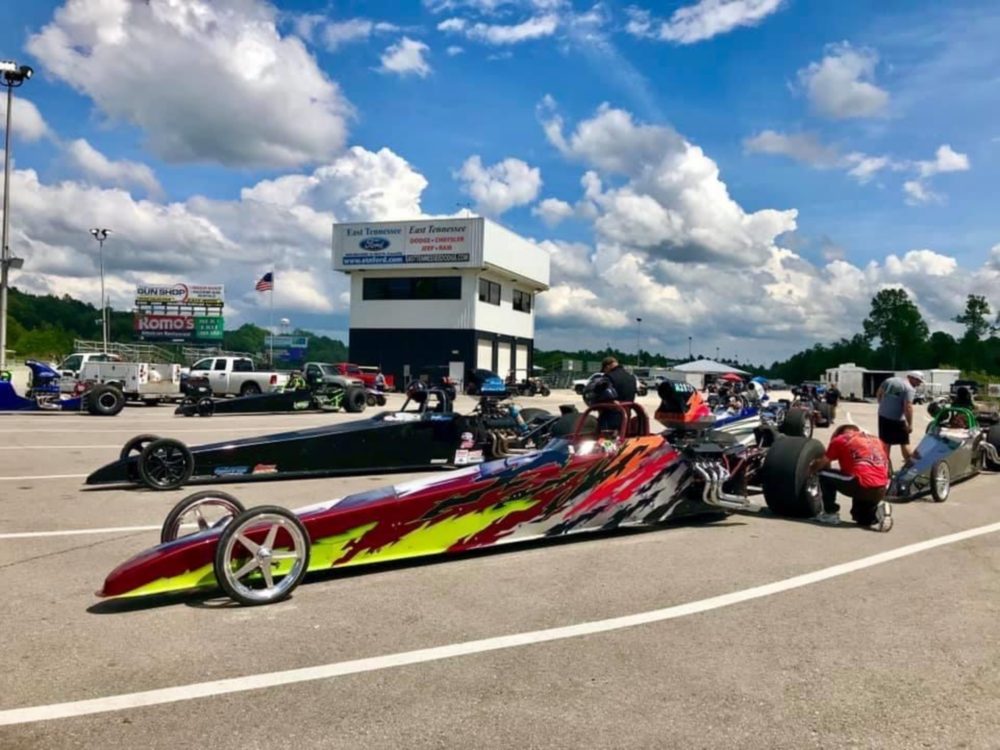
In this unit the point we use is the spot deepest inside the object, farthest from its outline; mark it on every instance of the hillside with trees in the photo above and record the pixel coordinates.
(45, 326)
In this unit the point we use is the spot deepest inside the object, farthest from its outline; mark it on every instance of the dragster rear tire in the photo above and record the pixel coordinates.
(789, 490)
(993, 438)
(796, 423)
(355, 400)
(105, 400)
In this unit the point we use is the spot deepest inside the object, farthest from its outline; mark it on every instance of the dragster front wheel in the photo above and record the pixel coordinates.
(262, 555)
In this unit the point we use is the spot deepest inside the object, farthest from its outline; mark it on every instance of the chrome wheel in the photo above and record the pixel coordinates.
(940, 482)
(198, 512)
(262, 555)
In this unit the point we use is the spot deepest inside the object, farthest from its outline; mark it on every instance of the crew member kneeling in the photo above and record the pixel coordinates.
(863, 476)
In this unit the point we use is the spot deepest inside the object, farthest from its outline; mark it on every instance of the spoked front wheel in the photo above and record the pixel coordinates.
(196, 513)
(262, 555)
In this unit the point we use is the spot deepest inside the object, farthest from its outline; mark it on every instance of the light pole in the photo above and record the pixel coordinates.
(690, 356)
(100, 235)
(12, 75)
(638, 342)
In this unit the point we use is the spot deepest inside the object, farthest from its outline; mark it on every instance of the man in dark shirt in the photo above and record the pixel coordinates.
(622, 390)
(832, 397)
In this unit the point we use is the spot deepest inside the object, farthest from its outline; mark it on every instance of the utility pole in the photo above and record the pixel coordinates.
(100, 235)
(638, 342)
(11, 76)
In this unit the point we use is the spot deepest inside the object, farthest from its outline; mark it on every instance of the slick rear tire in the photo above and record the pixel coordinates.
(797, 424)
(993, 438)
(825, 412)
(529, 415)
(249, 388)
(105, 400)
(940, 481)
(788, 489)
(565, 426)
(248, 577)
(355, 400)
(228, 505)
(135, 445)
(165, 464)
(206, 407)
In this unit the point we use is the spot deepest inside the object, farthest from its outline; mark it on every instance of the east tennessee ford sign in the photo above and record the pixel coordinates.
(445, 242)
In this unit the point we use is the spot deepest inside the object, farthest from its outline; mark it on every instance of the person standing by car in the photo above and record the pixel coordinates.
(895, 412)
(832, 398)
(623, 381)
(862, 475)
(379, 381)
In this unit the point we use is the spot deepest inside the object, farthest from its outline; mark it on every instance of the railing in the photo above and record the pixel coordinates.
(128, 352)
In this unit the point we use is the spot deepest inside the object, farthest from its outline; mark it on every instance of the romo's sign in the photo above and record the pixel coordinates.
(179, 294)
(179, 327)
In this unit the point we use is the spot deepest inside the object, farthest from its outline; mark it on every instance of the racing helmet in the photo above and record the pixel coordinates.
(681, 405)
(599, 391)
(417, 391)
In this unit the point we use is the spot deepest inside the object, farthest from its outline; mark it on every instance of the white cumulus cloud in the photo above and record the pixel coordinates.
(206, 81)
(841, 85)
(501, 186)
(27, 122)
(102, 170)
(406, 57)
(553, 211)
(702, 20)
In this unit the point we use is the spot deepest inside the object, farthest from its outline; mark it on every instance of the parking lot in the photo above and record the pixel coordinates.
(748, 633)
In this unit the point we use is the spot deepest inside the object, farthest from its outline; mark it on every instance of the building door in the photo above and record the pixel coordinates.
(484, 354)
(522, 362)
(503, 359)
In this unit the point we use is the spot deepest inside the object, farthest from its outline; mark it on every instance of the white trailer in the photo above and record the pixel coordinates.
(139, 381)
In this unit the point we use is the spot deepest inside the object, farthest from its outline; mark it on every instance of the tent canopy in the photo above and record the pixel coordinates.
(708, 367)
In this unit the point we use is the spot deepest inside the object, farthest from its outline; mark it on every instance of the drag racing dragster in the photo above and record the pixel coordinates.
(298, 396)
(43, 394)
(956, 446)
(588, 481)
(425, 434)
(528, 387)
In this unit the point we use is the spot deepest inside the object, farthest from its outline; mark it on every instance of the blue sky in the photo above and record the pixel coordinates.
(761, 167)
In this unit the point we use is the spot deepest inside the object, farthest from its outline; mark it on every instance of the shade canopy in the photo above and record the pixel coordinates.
(708, 367)
(730, 376)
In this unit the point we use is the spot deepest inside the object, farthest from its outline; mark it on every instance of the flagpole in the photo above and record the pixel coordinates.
(271, 324)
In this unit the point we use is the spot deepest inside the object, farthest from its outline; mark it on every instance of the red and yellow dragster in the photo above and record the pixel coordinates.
(588, 482)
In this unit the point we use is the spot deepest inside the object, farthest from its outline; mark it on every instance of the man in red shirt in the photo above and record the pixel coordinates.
(863, 476)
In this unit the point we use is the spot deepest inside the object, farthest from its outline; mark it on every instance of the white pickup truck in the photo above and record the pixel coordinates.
(71, 367)
(236, 376)
(139, 381)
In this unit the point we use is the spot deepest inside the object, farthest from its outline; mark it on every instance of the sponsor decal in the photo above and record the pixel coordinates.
(441, 417)
(475, 457)
(461, 457)
(439, 460)
(466, 440)
(374, 244)
(230, 471)
(265, 469)
(301, 405)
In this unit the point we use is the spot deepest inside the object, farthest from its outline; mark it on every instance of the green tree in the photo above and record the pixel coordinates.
(975, 318)
(898, 325)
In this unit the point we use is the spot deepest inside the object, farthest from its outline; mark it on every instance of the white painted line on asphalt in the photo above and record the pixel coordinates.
(437, 653)
(44, 476)
(74, 532)
(50, 445)
(138, 428)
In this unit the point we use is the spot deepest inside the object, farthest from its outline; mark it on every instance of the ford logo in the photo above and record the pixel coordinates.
(374, 243)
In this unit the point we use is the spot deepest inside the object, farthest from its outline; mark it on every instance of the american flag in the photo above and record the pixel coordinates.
(266, 283)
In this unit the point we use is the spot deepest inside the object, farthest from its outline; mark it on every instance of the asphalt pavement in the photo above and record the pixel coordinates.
(896, 648)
